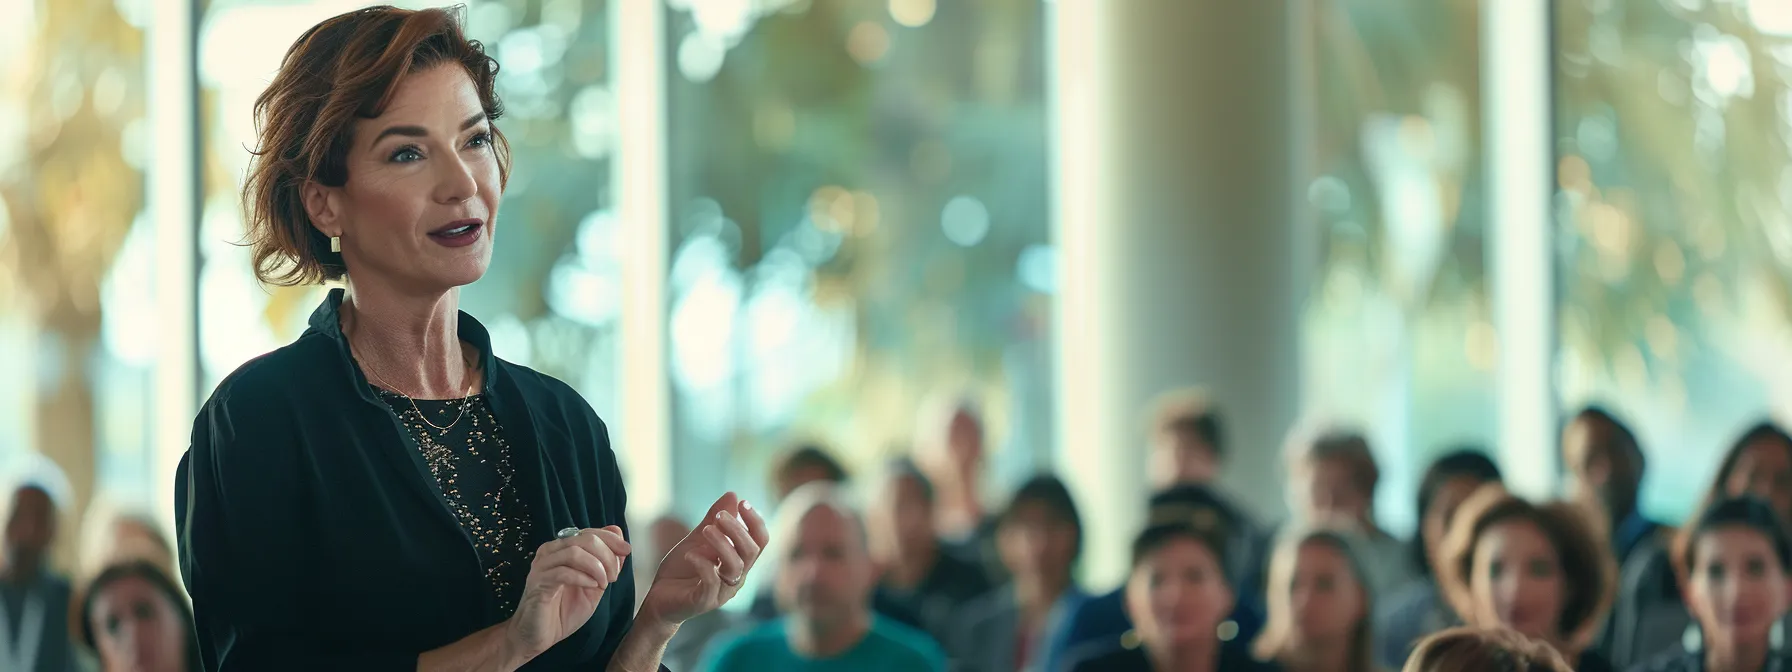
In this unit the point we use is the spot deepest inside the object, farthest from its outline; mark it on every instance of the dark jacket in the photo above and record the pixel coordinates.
(1233, 658)
(313, 537)
(1679, 660)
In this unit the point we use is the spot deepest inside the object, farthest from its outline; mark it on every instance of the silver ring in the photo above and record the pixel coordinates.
(567, 533)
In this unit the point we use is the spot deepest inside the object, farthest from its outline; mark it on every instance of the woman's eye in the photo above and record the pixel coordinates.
(407, 154)
(481, 139)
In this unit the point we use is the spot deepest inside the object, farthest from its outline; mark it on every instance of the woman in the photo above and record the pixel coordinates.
(384, 492)
(134, 618)
(1319, 606)
(1484, 650)
(1736, 560)
(1039, 536)
(1543, 570)
(1417, 610)
(1178, 596)
(1333, 479)
(1651, 616)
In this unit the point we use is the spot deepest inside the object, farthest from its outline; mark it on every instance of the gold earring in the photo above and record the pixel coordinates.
(335, 243)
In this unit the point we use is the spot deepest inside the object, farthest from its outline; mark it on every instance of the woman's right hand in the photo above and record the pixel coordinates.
(566, 581)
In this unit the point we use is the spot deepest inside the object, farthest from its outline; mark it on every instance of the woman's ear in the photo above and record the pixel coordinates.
(323, 207)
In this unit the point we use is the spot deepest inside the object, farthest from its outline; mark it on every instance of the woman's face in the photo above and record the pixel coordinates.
(1764, 469)
(1323, 595)
(1037, 544)
(1444, 503)
(1177, 595)
(416, 213)
(1737, 588)
(1517, 580)
(137, 629)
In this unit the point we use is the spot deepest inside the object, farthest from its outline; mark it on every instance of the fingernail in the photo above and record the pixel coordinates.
(746, 505)
(720, 514)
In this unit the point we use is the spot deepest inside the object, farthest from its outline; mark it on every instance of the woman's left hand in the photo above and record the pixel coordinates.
(706, 569)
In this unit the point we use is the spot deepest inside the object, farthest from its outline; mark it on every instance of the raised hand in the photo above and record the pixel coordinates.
(566, 581)
(705, 570)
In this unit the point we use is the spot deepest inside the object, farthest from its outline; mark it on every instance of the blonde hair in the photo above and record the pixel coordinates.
(1484, 650)
(1280, 629)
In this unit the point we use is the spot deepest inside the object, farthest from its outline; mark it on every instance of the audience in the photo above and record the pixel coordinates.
(1179, 595)
(919, 576)
(34, 601)
(1101, 622)
(1332, 477)
(1651, 616)
(1187, 447)
(135, 618)
(950, 448)
(1484, 650)
(1736, 559)
(1319, 607)
(1040, 536)
(1543, 570)
(1605, 472)
(801, 465)
(824, 584)
(1416, 609)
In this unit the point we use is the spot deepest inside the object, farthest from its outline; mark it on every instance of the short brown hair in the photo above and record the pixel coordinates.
(1347, 447)
(1484, 650)
(343, 69)
(1581, 549)
(1188, 411)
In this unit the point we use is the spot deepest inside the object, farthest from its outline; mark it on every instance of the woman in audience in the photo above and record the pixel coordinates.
(1650, 616)
(135, 619)
(1417, 610)
(1319, 607)
(1178, 596)
(1736, 560)
(1039, 536)
(1543, 570)
(1333, 479)
(1484, 650)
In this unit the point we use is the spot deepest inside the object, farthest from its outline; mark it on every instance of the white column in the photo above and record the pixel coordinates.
(1175, 158)
(172, 200)
(639, 60)
(1516, 79)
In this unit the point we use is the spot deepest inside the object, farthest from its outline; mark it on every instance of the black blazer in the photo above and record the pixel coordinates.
(313, 537)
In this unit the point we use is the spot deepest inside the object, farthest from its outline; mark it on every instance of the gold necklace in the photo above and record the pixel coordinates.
(466, 397)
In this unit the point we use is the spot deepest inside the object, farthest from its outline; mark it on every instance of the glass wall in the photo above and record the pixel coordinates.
(1674, 246)
(1398, 338)
(552, 294)
(76, 281)
(859, 223)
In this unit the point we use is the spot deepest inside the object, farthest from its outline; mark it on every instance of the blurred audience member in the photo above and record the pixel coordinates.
(1186, 440)
(1102, 622)
(1605, 470)
(1737, 558)
(1319, 607)
(1484, 650)
(950, 449)
(1040, 536)
(1543, 570)
(1332, 477)
(136, 620)
(1416, 609)
(1650, 616)
(115, 536)
(804, 464)
(825, 581)
(34, 601)
(917, 573)
(1180, 596)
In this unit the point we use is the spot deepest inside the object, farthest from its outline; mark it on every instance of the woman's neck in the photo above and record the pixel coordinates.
(1191, 657)
(1734, 656)
(409, 344)
(1317, 655)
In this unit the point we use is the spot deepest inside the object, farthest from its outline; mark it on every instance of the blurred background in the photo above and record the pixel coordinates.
(735, 224)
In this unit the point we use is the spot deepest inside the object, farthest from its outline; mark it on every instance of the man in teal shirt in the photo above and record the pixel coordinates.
(824, 583)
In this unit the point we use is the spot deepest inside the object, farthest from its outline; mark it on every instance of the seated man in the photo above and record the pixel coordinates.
(919, 575)
(824, 585)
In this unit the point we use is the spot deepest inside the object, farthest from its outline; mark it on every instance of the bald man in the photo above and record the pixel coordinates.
(824, 586)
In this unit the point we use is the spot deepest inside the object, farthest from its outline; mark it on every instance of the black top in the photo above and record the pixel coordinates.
(1593, 662)
(48, 599)
(1121, 659)
(938, 601)
(470, 460)
(313, 535)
